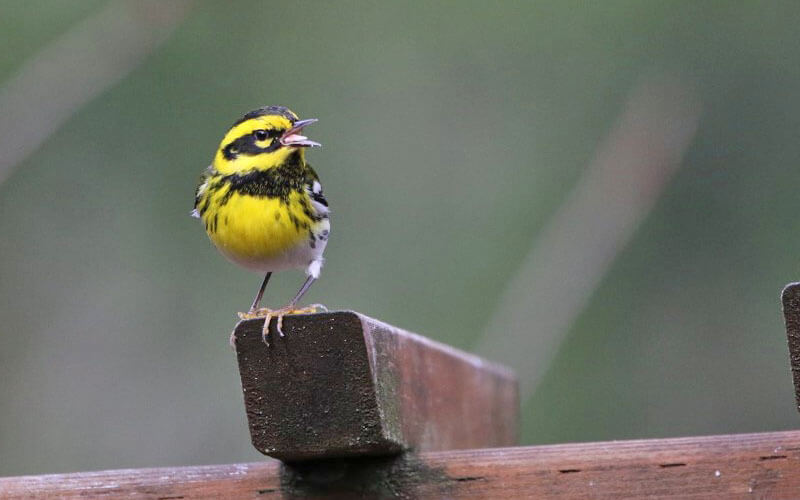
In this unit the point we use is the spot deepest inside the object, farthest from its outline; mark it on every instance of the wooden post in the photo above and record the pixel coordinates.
(341, 384)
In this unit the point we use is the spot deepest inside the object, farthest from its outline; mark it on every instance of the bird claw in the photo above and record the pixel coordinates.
(268, 314)
(255, 313)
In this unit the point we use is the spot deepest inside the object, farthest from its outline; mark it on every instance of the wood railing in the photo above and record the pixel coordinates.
(717, 467)
(356, 408)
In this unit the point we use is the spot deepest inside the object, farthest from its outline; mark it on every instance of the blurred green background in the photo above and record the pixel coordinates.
(453, 133)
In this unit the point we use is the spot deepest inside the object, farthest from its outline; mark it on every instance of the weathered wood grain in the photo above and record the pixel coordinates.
(735, 466)
(343, 384)
(791, 315)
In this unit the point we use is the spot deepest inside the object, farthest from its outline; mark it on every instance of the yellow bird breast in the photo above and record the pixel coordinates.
(260, 233)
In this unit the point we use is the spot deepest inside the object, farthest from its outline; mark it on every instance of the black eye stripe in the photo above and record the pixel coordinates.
(246, 145)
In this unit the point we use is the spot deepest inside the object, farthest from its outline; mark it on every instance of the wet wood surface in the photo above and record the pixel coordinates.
(763, 465)
(343, 384)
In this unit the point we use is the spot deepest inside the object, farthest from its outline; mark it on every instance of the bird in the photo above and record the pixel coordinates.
(263, 207)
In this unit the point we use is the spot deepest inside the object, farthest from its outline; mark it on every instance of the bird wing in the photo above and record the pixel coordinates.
(314, 190)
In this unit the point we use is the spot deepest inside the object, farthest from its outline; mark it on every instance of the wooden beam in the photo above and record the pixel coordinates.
(343, 384)
(736, 466)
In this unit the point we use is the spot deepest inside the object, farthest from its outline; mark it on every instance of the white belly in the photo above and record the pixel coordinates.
(306, 255)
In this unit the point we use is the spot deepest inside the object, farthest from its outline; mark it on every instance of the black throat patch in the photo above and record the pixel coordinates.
(275, 182)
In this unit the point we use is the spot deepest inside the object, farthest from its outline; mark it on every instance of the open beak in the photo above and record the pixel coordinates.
(292, 137)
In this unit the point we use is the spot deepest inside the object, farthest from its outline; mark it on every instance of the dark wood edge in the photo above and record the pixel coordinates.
(790, 298)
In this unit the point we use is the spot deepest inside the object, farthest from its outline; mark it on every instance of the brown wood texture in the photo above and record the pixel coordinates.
(343, 384)
(791, 314)
(736, 466)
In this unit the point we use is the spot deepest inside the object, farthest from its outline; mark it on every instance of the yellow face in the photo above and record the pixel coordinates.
(262, 139)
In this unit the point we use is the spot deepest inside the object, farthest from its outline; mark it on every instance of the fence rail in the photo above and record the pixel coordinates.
(763, 465)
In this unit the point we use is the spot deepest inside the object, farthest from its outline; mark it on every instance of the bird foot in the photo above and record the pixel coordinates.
(268, 314)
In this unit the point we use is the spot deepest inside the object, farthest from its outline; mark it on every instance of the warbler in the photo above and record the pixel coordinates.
(262, 204)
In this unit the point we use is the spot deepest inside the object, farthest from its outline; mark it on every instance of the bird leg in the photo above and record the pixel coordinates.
(260, 292)
(252, 313)
(255, 311)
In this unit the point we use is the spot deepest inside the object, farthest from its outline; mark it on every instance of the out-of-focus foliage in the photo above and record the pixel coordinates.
(452, 132)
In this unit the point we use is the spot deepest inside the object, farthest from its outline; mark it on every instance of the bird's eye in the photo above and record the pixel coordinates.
(261, 135)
